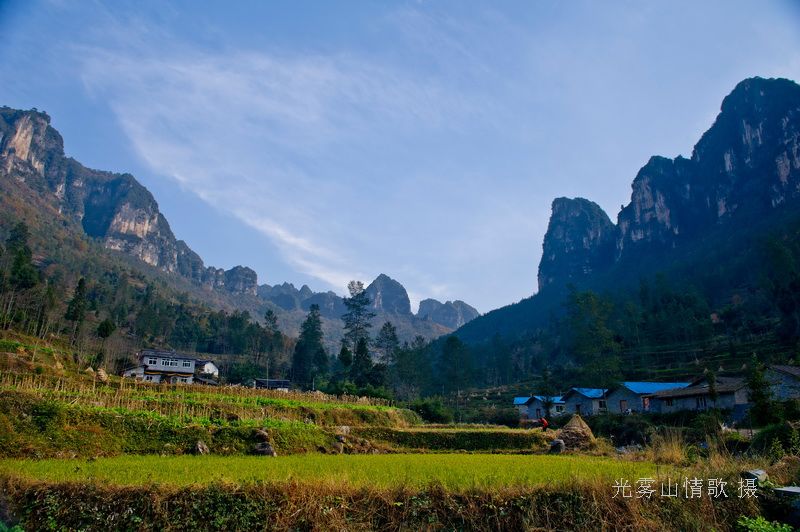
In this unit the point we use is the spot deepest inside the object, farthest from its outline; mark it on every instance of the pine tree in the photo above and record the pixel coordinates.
(345, 355)
(24, 274)
(76, 310)
(106, 328)
(271, 322)
(387, 343)
(310, 359)
(362, 364)
(357, 318)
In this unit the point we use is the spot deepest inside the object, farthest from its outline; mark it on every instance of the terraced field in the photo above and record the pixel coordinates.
(452, 471)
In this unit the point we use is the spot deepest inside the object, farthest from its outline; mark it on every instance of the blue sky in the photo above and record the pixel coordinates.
(319, 142)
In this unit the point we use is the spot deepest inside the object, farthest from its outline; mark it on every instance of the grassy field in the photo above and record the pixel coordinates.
(452, 471)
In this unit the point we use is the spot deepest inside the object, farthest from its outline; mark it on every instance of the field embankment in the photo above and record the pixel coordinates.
(448, 439)
(94, 505)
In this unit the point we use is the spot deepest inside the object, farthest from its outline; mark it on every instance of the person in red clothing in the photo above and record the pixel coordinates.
(543, 423)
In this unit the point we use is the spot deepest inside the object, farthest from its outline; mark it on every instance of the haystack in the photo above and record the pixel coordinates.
(576, 434)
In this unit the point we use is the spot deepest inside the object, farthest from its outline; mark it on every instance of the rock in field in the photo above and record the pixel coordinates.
(264, 449)
(201, 448)
(557, 446)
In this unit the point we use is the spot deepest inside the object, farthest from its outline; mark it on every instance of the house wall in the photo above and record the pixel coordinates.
(727, 400)
(210, 368)
(634, 400)
(162, 363)
(783, 386)
(139, 373)
(588, 406)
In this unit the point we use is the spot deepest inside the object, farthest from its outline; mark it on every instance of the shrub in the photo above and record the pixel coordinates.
(759, 524)
(780, 432)
(432, 410)
(623, 430)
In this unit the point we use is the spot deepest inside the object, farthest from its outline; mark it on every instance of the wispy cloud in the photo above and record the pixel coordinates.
(261, 135)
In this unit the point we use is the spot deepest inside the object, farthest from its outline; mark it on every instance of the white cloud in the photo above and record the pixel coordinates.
(266, 137)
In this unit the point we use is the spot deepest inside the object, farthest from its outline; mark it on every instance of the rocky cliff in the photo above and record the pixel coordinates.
(114, 208)
(743, 167)
(388, 296)
(580, 238)
(450, 314)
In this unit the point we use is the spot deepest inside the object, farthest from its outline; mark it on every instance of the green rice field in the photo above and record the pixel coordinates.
(452, 471)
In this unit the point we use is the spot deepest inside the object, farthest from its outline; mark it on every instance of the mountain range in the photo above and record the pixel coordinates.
(122, 216)
(698, 218)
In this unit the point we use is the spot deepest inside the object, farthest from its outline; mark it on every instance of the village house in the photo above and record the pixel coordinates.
(632, 396)
(731, 395)
(521, 404)
(784, 382)
(585, 401)
(535, 406)
(171, 367)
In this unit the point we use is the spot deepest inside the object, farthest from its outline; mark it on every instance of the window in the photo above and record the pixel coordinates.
(623, 406)
(148, 377)
(601, 404)
(669, 402)
(559, 408)
(170, 363)
(645, 403)
(538, 412)
(578, 409)
(700, 402)
(184, 379)
(152, 361)
(187, 364)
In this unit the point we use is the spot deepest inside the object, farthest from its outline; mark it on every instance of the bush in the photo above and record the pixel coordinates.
(623, 430)
(432, 410)
(508, 417)
(759, 524)
(780, 432)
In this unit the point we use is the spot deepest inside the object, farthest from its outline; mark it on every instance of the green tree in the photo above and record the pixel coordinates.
(591, 339)
(764, 409)
(23, 274)
(345, 355)
(362, 364)
(357, 318)
(412, 370)
(106, 329)
(456, 364)
(310, 359)
(271, 322)
(76, 309)
(547, 389)
(387, 343)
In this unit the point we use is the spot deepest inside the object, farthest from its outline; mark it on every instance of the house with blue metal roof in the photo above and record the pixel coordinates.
(585, 401)
(545, 406)
(521, 404)
(634, 396)
(536, 406)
